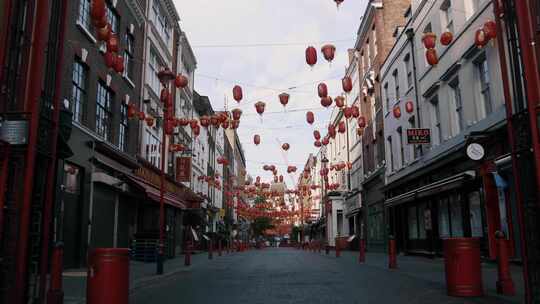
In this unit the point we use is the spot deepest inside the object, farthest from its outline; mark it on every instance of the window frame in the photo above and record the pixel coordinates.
(484, 84)
(408, 70)
(456, 102)
(123, 130)
(104, 114)
(129, 55)
(78, 107)
(436, 114)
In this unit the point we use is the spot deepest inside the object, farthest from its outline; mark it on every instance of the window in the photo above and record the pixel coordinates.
(391, 154)
(413, 223)
(160, 21)
(401, 147)
(456, 109)
(436, 120)
(154, 65)
(408, 70)
(386, 97)
(128, 56)
(84, 15)
(374, 42)
(444, 220)
(112, 18)
(104, 111)
(484, 107)
(396, 84)
(446, 16)
(153, 148)
(368, 54)
(362, 64)
(123, 131)
(78, 93)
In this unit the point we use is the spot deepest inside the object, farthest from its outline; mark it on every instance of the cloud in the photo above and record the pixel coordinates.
(264, 72)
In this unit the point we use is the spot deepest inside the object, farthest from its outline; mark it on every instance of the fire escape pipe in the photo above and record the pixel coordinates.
(31, 99)
(52, 168)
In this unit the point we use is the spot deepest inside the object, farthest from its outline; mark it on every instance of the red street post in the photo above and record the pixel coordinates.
(505, 284)
(362, 251)
(392, 259)
(55, 294)
(338, 252)
(187, 256)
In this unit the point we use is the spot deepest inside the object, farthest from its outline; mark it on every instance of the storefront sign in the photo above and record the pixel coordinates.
(183, 169)
(418, 136)
(15, 132)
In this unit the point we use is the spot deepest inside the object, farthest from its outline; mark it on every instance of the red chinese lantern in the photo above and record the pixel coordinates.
(259, 107)
(490, 28)
(347, 112)
(346, 83)
(193, 123)
(328, 51)
(284, 98)
(97, 9)
(409, 106)
(355, 111)
(180, 81)
(149, 121)
(196, 131)
(285, 146)
(225, 124)
(237, 93)
(214, 121)
(236, 113)
(235, 124)
(256, 139)
(480, 38)
(101, 22)
(326, 140)
(318, 143)
(118, 65)
(322, 89)
(110, 58)
(164, 95)
(431, 57)
(205, 121)
(310, 117)
(429, 39)
(182, 122)
(311, 56)
(141, 115)
(317, 135)
(104, 32)
(338, 2)
(397, 111)
(169, 126)
(332, 131)
(340, 101)
(131, 111)
(341, 127)
(361, 122)
(326, 101)
(112, 44)
(446, 38)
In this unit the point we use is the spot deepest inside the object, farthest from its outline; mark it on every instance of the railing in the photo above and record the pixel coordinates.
(145, 250)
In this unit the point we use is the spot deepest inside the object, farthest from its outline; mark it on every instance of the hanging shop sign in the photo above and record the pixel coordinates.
(183, 169)
(15, 132)
(418, 136)
(475, 151)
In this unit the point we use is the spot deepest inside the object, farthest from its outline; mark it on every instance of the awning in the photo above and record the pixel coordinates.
(153, 193)
(445, 184)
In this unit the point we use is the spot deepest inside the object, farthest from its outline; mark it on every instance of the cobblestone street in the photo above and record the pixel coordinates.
(294, 276)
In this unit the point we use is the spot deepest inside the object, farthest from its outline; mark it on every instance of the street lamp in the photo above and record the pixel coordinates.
(165, 77)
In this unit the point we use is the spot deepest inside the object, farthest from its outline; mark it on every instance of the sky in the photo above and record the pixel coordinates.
(223, 34)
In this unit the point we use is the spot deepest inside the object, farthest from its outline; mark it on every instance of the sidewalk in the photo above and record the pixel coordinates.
(140, 274)
(432, 271)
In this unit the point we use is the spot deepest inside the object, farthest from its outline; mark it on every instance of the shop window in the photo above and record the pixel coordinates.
(422, 221)
(475, 214)
(444, 222)
(413, 223)
(456, 216)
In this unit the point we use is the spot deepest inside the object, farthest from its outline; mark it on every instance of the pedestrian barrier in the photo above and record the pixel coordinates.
(463, 268)
(145, 250)
(108, 276)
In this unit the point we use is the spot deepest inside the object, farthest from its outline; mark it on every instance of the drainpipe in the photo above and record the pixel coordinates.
(410, 37)
(32, 97)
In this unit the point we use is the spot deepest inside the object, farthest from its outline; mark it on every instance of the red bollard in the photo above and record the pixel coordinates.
(463, 267)
(392, 258)
(55, 294)
(210, 249)
(505, 284)
(362, 251)
(187, 256)
(338, 252)
(108, 276)
(219, 248)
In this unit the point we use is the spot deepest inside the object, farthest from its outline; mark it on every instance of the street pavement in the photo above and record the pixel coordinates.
(286, 275)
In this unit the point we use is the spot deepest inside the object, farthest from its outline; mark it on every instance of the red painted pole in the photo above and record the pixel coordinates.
(338, 250)
(505, 284)
(362, 251)
(55, 295)
(219, 247)
(392, 259)
(4, 35)
(32, 96)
